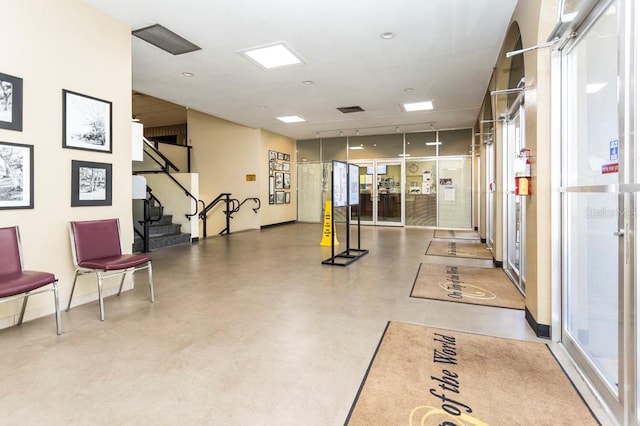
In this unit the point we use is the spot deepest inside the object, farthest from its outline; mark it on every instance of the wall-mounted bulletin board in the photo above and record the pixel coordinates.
(279, 178)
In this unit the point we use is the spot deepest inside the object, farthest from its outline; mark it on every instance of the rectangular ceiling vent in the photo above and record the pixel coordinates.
(348, 110)
(165, 39)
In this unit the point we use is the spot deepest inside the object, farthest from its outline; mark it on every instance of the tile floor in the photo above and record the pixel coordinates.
(247, 329)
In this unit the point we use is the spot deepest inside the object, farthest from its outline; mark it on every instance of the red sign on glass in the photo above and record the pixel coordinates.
(609, 168)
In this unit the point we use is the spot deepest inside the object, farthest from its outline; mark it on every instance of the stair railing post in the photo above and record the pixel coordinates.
(228, 212)
(145, 240)
(204, 224)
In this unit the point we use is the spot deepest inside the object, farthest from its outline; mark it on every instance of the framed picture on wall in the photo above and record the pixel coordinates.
(86, 122)
(287, 157)
(286, 181)
(10, 102)
(90, 184)
(16, 176)
(279, 180)
(286, 167)
(287, 198)
(272, 198)
(273, 155)
(280, 197)
(280, 156)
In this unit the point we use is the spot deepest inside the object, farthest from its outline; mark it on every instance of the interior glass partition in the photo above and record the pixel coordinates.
(309, 181)
(455, 179)
(421, 172)
(332, 149)
(379, 158)
(454, 199)
(399, 177)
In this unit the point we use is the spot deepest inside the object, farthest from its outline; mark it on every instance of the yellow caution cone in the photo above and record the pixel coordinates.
(326, 229)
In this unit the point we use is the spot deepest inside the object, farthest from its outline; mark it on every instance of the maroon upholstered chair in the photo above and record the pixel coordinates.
(17, 283)
(95, 245)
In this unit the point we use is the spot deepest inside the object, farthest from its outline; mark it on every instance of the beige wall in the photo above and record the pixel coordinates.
(224, 153)
(534, 19)
(58, 45)
(276, 213)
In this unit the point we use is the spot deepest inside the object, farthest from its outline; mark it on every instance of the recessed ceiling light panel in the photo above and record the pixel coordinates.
(272, 56)
(418, 106)
(165, 39)
(291, 119)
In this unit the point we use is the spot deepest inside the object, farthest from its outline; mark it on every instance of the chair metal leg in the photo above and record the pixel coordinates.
(124, 274)
(73, 287)
(57, 303)
(24, 307)
(100, 296)
(153, 298)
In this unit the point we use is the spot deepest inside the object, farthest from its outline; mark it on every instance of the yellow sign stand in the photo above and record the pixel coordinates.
(326, 229)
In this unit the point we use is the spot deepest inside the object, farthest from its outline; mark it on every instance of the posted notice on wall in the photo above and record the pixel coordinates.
(450, 193)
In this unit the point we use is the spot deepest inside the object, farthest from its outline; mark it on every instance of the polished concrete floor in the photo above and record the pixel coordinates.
(247, 329)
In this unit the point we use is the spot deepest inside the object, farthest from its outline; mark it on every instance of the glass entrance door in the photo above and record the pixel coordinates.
(381, 193)
(594, 218)
(490, 187)
(515, 229)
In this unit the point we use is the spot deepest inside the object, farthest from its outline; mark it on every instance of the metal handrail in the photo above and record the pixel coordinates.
(223, 197)
(148, 220)
(255, 209)
(189, 148)
(232, 205)
(164, 169)
(167, 163)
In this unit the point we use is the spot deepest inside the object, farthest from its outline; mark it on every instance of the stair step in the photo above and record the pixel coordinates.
(162, 233)
(164, 220)
(156, 230)
(162, 241)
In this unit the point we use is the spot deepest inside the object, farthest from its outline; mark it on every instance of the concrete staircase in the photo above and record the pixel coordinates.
(162, 233)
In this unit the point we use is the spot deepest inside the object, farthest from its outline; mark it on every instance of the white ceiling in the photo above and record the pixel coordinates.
(444, 50)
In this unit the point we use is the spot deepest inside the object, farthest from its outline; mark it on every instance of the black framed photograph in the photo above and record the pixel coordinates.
(286, 181)
(286, 157)
(10, 102)
(279, 197)
(280, 156)
(286, 167)
(287, 198)
(16, 176)
(86, 122)
(90, 184)
(272, 199)
(279, 180)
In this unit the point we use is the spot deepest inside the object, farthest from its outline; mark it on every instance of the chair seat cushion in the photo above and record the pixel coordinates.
(114, 263)
(13, 284)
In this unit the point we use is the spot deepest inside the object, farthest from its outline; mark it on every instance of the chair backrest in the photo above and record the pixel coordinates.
(10, 251)
(95, 239)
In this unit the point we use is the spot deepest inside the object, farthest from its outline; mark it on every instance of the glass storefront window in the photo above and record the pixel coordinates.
(421, 144)
(375, 146)
(409, 195)
(308, 150)
(455, 142)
